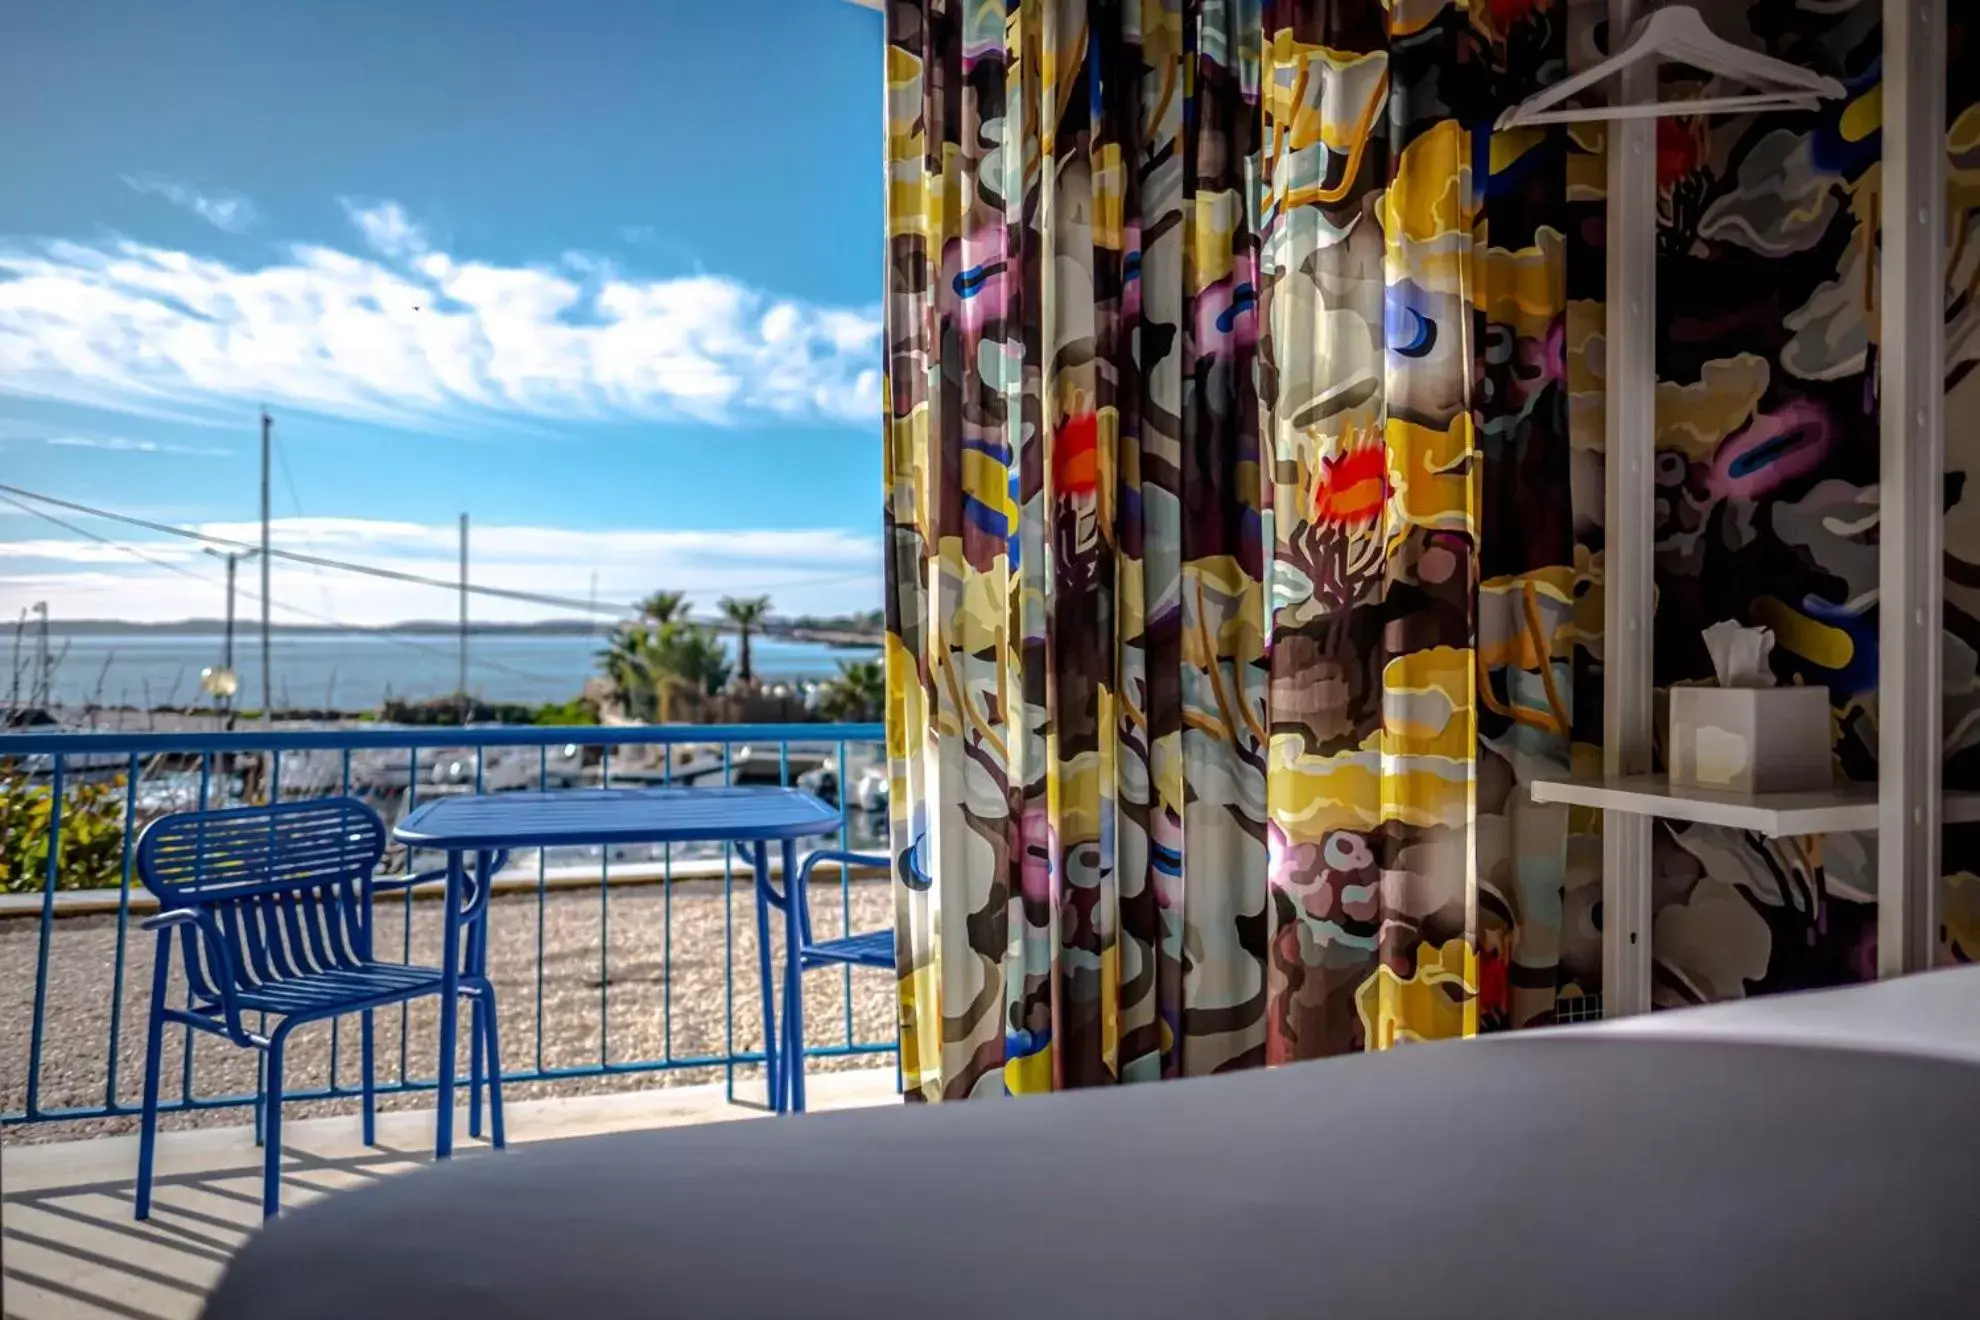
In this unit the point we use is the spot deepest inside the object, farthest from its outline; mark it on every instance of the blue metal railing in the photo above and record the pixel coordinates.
(90, 783)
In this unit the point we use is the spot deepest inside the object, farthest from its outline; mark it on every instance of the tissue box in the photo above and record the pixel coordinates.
(1750, 740)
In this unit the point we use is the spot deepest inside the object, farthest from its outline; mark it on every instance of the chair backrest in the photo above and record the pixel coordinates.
(279, 887)
(198, 858)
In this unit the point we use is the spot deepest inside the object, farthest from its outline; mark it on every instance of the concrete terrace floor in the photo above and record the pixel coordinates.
(69, 1249)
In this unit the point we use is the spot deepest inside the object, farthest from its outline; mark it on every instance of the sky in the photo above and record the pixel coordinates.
(610, 286)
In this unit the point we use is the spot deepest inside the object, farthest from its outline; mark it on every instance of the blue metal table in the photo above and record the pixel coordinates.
(501, 822)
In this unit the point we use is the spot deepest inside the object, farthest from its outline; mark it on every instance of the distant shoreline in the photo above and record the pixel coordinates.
(247, 628)
(803, 631)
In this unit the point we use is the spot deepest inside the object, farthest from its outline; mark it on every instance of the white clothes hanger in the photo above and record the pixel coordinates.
(1676, 34)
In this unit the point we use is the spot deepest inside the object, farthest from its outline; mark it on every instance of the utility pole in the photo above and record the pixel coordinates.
(14, 692)
(227, 683)
(38, 693)
(227, 647)
(41, 662)
(267, 657)
(465, 705)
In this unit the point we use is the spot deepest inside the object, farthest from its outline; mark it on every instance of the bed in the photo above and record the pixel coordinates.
(1809, 1157)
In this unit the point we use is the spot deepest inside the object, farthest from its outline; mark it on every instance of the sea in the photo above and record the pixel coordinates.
(356, 671)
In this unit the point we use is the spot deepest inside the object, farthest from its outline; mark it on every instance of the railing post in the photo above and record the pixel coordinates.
(123, 931)
(604, 923)
(49, 882)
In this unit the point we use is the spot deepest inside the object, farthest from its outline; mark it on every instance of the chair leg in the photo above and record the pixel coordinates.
(368, 1048)
(450, 985)
(271, 1169)
(476, 1034)
(486, 999)
(154, 1049)
(773, 1088)
(797, 925)
(260, 1100)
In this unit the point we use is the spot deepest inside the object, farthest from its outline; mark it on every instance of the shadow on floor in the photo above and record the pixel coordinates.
(75, 1253)
(69, 1249)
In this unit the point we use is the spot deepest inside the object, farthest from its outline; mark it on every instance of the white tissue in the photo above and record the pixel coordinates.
(1739, 655)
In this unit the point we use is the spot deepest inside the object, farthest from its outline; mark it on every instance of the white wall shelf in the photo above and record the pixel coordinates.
(1845, 808)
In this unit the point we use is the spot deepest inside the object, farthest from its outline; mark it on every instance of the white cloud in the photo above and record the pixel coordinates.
(94, 552)
(229, 211)
(410, 334)
(815, 571)
(386, 227)
(123, 445)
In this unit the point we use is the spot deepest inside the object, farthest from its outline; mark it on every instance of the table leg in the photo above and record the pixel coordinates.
(760, 882)
(450, 996)
(794, 984)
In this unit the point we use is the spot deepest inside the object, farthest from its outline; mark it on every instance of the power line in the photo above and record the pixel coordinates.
(67, 526)
(327, 620)
(295, 502)
(373, 570)
(390, 574)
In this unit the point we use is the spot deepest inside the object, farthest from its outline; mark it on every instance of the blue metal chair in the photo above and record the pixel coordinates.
(273, 909)
(867, 949)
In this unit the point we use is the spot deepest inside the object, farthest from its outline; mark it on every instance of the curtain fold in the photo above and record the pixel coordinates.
(1434, 529)
(1075, 541)
(1195, 334)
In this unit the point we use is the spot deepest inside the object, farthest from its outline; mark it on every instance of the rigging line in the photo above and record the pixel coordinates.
(295, 502)
(67, 526)
(395, 575)
(327, 620)
(390, 574)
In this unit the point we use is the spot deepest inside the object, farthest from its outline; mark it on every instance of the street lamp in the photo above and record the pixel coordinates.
(219, 681)
(222, 683)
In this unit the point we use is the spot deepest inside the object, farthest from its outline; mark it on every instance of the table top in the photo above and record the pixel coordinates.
(616, 815)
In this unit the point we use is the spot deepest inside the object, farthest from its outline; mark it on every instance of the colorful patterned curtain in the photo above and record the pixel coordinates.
(1244, 471)
(1208, 377)
(1076, 538)
(1432, 521)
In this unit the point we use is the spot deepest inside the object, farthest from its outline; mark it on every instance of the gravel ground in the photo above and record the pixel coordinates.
(632, 1006)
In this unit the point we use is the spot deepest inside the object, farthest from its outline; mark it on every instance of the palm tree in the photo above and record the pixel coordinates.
(664, 607)
(747, 613)
(857, 695)
(661, 655)
(649, 666)
(691, 654)
(627, 663)
(666, 687)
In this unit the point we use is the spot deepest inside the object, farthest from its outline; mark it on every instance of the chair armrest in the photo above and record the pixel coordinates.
(794, 894)
(481, 881)
(219, 966)
(391, 884)
(846, 861)
(476, 899)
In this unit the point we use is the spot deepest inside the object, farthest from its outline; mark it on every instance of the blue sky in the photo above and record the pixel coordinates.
(609, 285)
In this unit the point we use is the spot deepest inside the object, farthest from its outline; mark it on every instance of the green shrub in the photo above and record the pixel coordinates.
(442, 711)
(92, 833)
(563, 713)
